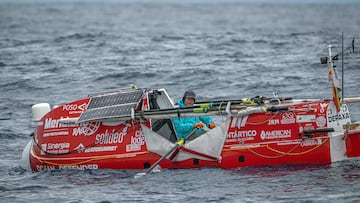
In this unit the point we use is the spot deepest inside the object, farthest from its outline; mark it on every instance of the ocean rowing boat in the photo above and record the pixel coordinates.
(131, 128)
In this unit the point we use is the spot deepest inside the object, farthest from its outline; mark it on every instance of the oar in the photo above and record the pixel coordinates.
(240, 101)
(352, 100)
(177, 144)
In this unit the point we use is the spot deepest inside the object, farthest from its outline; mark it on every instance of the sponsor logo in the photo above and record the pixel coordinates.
(311, 142)
(242, 134)
(133, 147)
(55, 148)
(74, 107)
(110, 138)
(136, 142)
(323, 106)
(275, 134)
(239, 122)
(305, 118)
(337, 117)
(86, 129)
(56, 133)
(81, 148)
(288, 118)
(321, 121)
(274, 122)
(51, 123)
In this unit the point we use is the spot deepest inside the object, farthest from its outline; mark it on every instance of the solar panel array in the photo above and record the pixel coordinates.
(112, 105)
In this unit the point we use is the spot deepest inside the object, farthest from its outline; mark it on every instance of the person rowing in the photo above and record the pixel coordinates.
(184, 126)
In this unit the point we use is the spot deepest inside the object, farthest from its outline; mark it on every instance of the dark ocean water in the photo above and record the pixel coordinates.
(59, 52)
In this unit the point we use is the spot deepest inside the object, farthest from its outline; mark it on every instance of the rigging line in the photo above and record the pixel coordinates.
(280, 152)
(263, 122)
(42, 160)
(298, 153)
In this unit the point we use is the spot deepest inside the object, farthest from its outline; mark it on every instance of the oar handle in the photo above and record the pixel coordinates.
(352, 100)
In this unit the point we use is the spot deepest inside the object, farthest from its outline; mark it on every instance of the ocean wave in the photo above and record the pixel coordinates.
(162, 38)
(79, 36)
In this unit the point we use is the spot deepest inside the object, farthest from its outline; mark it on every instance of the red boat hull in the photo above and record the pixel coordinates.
(308, 132)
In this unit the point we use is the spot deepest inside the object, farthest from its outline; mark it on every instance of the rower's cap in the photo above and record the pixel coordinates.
(189, 94)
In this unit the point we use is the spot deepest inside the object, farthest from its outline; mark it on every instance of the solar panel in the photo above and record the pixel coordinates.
(111, 105)
(117, 111)
(115, 99)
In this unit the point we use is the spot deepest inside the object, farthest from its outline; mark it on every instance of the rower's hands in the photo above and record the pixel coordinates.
(199, 125)
(212, 125)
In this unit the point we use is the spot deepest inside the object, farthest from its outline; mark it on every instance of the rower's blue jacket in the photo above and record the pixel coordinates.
(183, 126)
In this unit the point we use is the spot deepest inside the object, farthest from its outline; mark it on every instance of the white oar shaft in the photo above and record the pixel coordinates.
(352, 100)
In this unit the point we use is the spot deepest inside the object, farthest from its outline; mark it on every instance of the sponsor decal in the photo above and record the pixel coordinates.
(113, 137)
(321, 121)
(239, 122)
(80, 167)
(45, 167)
(274, 122)
(86, 129)
(310, 142)
(323, 106)
(74, 107)
(81, 148)
(53, 124)
(136, 142)
(339, 116)
(133, 147)
(56, 133)
(241, 136)
(55, 148)
(305, 118)
(288, 118)
(288, 143)
(275, 134)
(109, 138)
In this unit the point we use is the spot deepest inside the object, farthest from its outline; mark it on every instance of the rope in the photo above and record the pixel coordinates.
(42, 160)
(281, 154)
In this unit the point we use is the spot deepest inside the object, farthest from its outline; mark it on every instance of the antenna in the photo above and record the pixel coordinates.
(342, 67)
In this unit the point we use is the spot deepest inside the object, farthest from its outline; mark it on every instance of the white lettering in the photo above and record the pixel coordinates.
(133, 147)
(273, 122)
(242, 134)
(44, 167)
(110, 138)
(63, 145)
(51, 134)
(80, 167)
(340, 116)
(310, 142)
(101, 149)
(275, 134)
